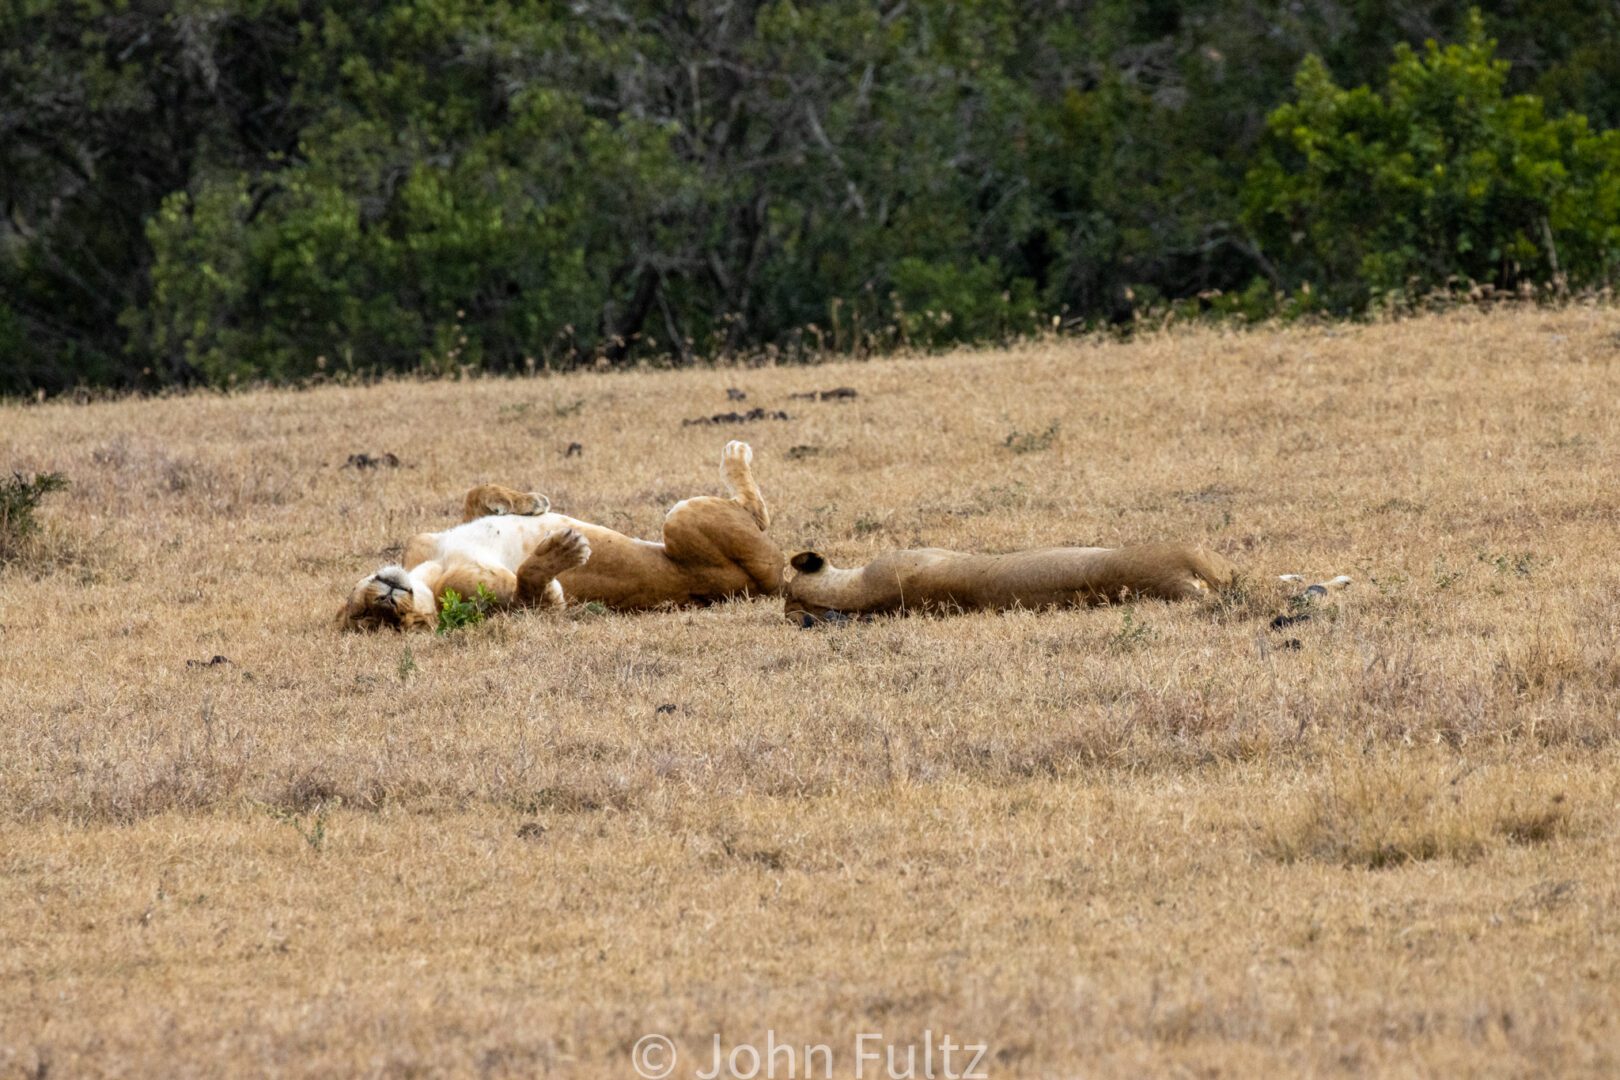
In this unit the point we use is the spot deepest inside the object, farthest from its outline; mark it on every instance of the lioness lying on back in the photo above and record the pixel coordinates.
(932, 579)
(510, 543)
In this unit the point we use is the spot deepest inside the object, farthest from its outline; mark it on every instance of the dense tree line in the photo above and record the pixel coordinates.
(209, 190)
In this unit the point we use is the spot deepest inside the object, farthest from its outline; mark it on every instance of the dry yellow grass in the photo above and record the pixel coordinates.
(1099, 843)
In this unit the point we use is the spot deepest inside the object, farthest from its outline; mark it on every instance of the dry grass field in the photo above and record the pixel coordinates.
(1128, 841)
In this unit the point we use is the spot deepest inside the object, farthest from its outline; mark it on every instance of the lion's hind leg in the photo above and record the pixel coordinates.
(736, 471)
(719, 540)
(557, 553)
(488, 500)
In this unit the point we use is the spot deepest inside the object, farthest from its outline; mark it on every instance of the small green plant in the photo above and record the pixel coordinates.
(563, 410)
(456, 612)
(589, 610)
(1031, 442)
(1131, 633)
(1444, 576)
(19, 497)
(314, 833)
(407, 666)
(1390, 584)
(1521, 564)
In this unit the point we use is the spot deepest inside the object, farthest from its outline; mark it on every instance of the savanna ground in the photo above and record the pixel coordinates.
(1123, 841)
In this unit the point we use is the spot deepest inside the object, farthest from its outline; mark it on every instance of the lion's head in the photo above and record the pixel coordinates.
(799, 593)
(388, 599)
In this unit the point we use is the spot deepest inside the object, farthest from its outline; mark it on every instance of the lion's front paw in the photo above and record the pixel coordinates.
(737, 451)
(536, 505)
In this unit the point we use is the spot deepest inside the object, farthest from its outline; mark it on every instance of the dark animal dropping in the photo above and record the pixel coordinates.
(840, 393)
(367, 461)
(739, 418)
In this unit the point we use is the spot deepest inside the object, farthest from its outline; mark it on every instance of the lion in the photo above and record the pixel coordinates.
(511, 543)
(936, 580)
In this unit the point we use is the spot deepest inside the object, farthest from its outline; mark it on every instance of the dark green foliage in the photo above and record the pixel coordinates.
(1440, 178)
(236, 189)
(456, 612)
(19, 496)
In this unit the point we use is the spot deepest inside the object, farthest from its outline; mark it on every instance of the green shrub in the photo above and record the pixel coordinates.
(456, 612)
(1437, 180)
(19, 496)
(940, 304)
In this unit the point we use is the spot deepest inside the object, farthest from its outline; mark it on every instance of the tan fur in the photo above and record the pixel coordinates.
(931, 579)
(510, 543)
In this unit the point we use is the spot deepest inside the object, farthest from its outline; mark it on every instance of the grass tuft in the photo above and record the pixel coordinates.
(1032, 442)
(1535, 825)
(1379, 814)
(1392, 810)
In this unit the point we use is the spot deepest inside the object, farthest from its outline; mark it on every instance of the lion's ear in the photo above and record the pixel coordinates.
(807, 562)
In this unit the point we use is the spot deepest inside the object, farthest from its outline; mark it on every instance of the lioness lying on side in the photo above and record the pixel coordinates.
(510, 543)
(932, 579)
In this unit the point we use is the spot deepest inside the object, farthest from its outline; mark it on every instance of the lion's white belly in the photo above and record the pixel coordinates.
(499, 540)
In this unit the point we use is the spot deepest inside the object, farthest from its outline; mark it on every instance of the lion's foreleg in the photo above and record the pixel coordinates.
(488, 500)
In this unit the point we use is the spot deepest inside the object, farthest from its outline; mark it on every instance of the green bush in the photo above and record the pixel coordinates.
(942, 303)
(261, 189)
(456, 612)
(1438, 179)
(19, 496)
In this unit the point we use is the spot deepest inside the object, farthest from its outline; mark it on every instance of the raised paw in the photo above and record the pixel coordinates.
(737, 451)
(487, 500)
(521, 503)
(558, 552)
